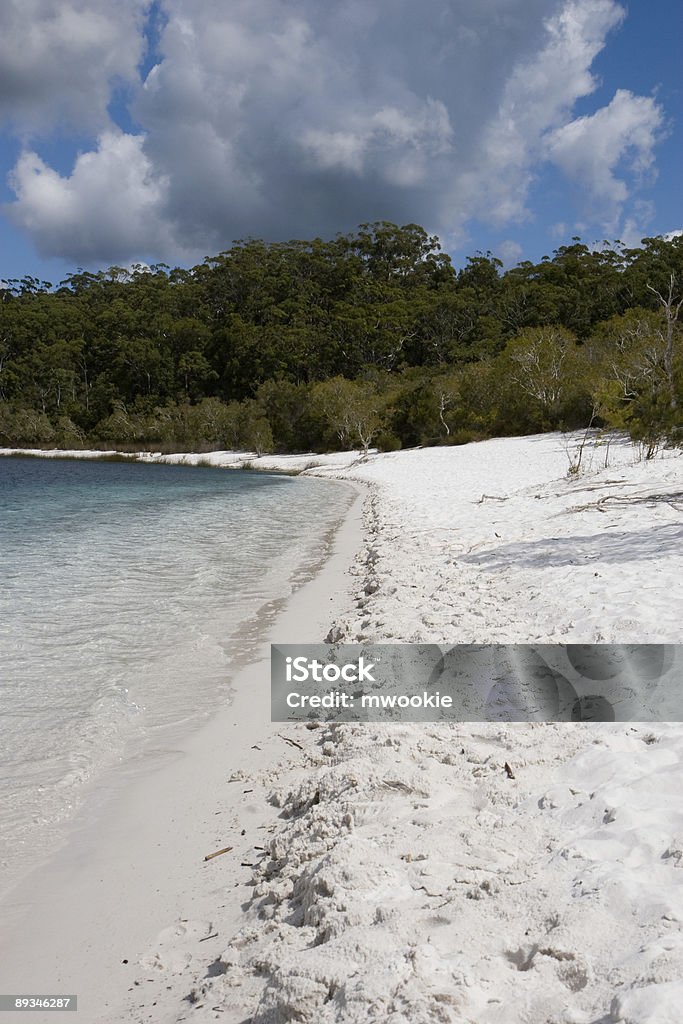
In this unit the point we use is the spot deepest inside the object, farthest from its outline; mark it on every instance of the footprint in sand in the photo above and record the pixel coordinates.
(175, 947)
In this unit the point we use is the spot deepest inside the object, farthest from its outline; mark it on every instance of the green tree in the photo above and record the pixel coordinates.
(350, 408)
(671, 308)
(255, 432)
(632, 387)
(545, 364)
(216, 425)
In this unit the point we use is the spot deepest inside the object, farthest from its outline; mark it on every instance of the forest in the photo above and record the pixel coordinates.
(373, 338)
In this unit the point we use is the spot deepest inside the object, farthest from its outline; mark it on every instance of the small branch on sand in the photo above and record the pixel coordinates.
(492, 497)
(623, 500)
(599, 486)
(210, 856)
(292, 743)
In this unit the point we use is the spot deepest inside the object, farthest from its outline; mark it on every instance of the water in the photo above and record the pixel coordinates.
(125, 592)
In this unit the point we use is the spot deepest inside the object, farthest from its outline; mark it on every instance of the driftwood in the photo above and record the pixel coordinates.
(292, 743)
(673, 498)
(210, 856)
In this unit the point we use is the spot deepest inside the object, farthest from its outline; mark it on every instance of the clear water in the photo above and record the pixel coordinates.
(125, 590)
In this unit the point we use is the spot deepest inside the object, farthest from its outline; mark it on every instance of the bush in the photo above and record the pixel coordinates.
(387, 442)
(68, 435)
(25, 428)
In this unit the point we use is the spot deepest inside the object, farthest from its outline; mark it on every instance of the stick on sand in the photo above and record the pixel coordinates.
(210, 856)
(292, 742)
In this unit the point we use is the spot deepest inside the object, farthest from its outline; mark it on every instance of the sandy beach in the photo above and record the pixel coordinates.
(132, 874)
(398, 873)
(385, 726)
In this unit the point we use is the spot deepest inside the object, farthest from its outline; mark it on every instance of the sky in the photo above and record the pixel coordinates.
(144, 132)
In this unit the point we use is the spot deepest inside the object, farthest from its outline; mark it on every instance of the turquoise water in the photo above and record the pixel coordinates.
(126, 591)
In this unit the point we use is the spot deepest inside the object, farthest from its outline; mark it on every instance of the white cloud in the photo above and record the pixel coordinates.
(273, 118)
(401, 142)
(536, 98)
(635, 224)
(509, 252)
(281, 120)
(58, 60)
(558, 230)
(589, 150)
(113, 193)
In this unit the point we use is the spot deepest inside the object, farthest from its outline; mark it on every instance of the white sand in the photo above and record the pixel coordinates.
(405, 878)
(134, 868)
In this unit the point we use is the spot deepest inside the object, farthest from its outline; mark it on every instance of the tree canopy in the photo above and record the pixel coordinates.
(371, 337)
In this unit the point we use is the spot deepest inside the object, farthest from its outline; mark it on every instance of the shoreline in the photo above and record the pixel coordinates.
(148, 749)
(399, 873)
(144, 829)
(286, 465)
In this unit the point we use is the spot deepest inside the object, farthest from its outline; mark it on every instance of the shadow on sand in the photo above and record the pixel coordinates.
(631, 546)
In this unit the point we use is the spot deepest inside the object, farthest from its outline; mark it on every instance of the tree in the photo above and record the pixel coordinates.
(286, 406)
(121, 427)
(403, 255)
(544, 363)
(379, 315)
(24, 427)
(447, 394)
(351, 408)
(194, 371)
(631, 386)
(671, 308)
(217, 425)
(254, 428)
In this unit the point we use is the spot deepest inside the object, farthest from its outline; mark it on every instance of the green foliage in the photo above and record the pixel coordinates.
(387, 442)
(547, 366)
(286, 406)
(632, 389)
(254, 429)
(67, 434)
(25, 428)
(370, 338)
(352, 410)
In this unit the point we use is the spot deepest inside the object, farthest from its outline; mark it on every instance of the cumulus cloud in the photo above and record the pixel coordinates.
(275, 118)
(589, 150)
(310, 118)
(113, 193)
(58, 61)
(402, 142)
(536, 98)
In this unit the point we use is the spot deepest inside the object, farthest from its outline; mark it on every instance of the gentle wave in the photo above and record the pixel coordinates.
(125, 593)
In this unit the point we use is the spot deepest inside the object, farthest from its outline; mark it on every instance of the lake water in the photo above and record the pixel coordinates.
(127, 592)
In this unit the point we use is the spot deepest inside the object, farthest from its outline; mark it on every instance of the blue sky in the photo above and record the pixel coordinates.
(143, 132)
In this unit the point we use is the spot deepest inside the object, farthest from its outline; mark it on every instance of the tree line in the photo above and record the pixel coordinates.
(371, 338)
